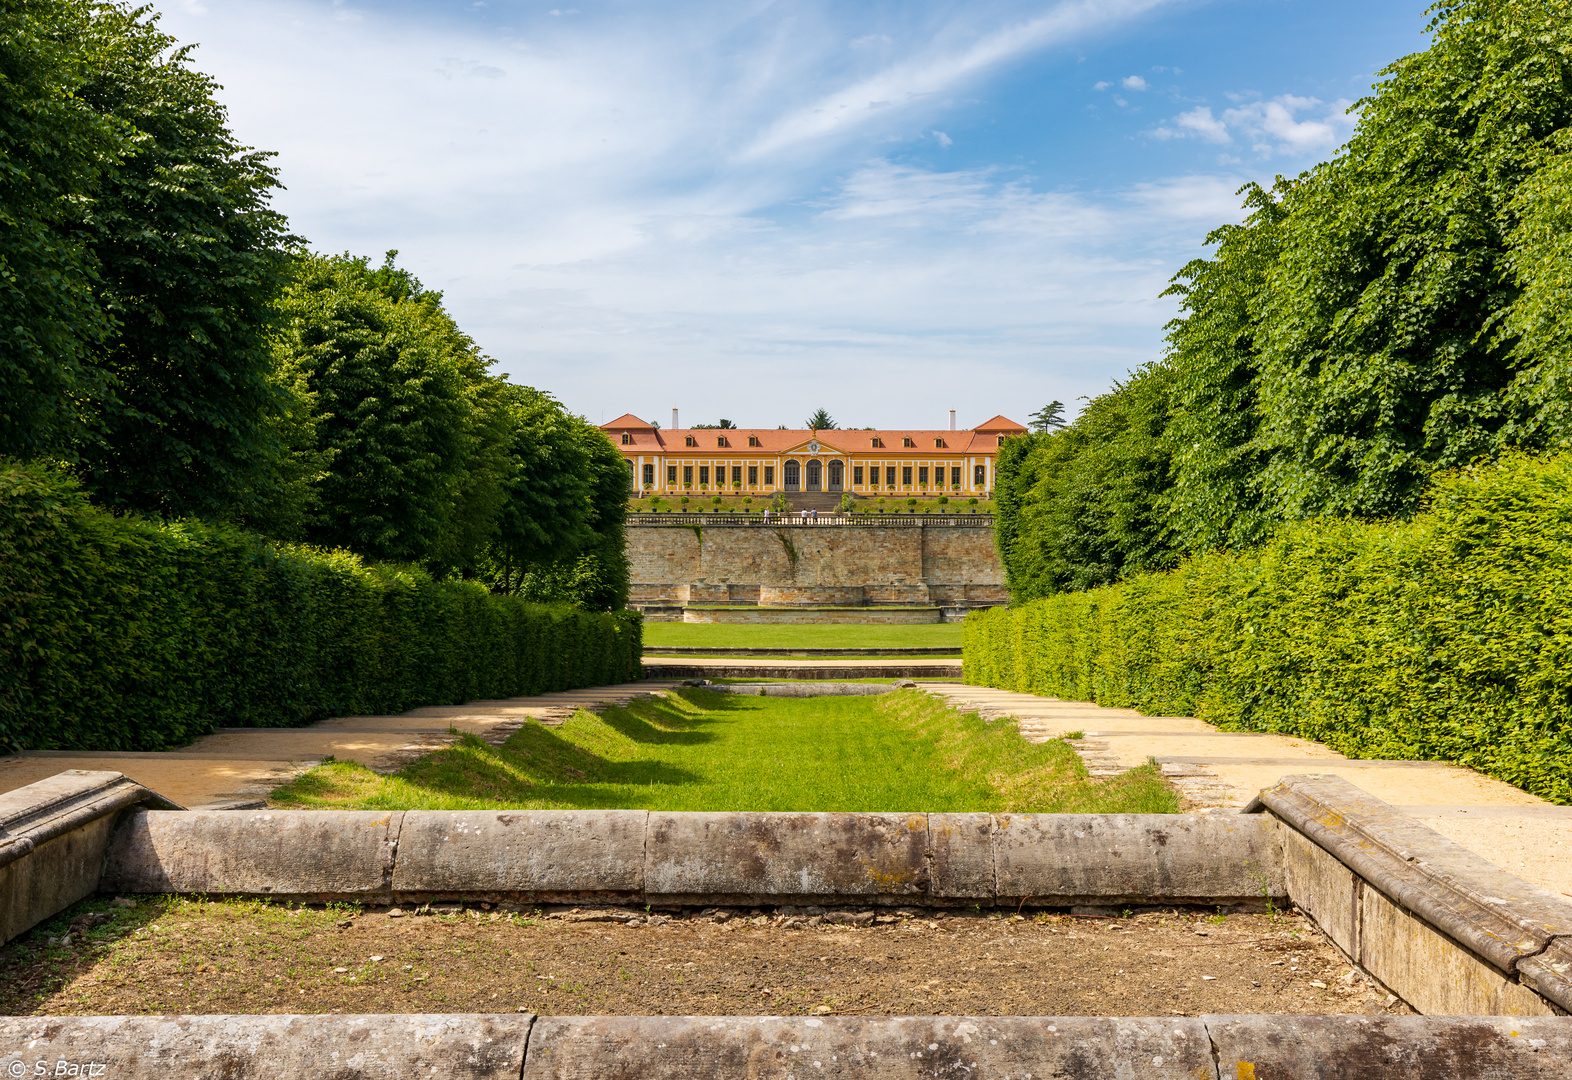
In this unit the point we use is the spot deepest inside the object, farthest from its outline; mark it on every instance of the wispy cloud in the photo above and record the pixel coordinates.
(914, 81)
(1283, 125)
(617, 206)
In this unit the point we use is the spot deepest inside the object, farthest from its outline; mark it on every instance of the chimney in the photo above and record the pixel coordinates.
(674, 419)
(952, 419)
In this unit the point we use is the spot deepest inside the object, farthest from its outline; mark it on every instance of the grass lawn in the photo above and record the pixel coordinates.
(819, 636)
(903, 751)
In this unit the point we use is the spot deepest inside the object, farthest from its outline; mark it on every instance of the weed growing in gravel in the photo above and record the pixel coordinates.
(697, 750)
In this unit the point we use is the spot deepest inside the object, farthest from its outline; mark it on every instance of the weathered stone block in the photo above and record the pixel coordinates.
(1391, 1047)
(53, 838)
(52, 877)
(537, 855)
(319, 854)
(1494, 914)
(1550, 973)
(782, 858)
(1324, 889)
(895, 1048)
(962, 847)
(1063, 859)
(472, 1047)
(1430, 972)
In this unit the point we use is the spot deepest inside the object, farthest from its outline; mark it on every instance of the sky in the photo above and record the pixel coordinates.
(752, 209)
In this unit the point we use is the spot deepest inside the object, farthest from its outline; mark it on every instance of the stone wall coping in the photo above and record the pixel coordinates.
(1494, 914)
(523, 1046)
(897, 651)
(32, 815)
(793, 520)
(623, 856)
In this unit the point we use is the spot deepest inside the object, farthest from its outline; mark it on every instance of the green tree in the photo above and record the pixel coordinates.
(191, 258)
(1048, 418)
(1217, 460)
(54, 151)
(1085, 502)
(1377, 364)
(820, 421)
(395, 387)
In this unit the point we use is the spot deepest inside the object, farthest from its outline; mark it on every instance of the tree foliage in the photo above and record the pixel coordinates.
(139, 263)
(1396, 311)
(55, 149)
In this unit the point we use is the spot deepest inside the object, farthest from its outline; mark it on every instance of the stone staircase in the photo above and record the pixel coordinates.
(823, 501)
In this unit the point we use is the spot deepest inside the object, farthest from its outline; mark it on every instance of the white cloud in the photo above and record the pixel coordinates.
(1268, 127)
(1101, 85)
(1197, 122)
(913, 82)
(620, 210)
(1133, 82)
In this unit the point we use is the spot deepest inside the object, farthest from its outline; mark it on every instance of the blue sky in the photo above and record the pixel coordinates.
(754, 209)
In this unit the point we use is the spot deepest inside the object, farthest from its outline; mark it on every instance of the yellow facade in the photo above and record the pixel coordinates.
(764, 461)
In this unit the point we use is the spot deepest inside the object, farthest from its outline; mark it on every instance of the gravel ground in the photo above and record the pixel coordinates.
(179, 955)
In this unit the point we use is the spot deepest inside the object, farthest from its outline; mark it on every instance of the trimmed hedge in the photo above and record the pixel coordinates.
(121, 634)
(1448, 636)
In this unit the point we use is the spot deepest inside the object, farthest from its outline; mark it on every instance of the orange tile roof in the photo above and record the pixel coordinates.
(650, 440)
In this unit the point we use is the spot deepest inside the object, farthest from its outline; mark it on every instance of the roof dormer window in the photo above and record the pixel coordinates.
(690, 441)
(938, 444)
(720, 440)
(907, 442)
(627, 438)
(876, 442)
(753, 440)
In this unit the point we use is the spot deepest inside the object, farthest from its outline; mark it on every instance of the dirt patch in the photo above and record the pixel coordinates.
(178, 955)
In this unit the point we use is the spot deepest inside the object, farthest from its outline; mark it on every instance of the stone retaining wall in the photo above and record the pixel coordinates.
(527, 1047)
(954, 566)
(672, 859)
(1440, 927)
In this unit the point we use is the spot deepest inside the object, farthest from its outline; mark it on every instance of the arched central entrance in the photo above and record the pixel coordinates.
(837, 475)
(791, 476)
(815, 476)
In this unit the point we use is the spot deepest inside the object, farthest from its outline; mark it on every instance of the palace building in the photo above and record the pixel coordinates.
(765, 460)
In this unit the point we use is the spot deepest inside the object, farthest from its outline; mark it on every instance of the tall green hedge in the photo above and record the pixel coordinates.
(1448, 636)
(120, 634)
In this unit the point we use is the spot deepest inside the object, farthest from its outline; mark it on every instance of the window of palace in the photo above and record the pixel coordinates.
(736, 475)
(690, 441)
(671, 475)
(1001, 440)
(769, 475)
(922, 475)
(856, 475)
(649, 476)
(704, 475)
(938, 444)
(955, 476)
(753, 440)
(876, 443)
(889, 476)
(906, 476)
(753, 476)
(720, 440)
(980, 476)
(687, 475)
(907, 442)
(627, 438)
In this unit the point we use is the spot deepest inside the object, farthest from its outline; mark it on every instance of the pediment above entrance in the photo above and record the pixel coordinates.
(813, 448)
